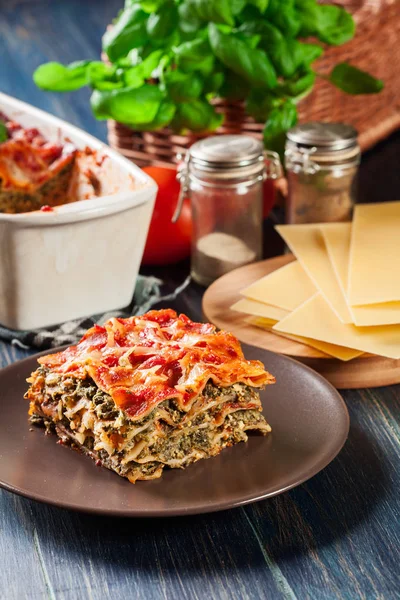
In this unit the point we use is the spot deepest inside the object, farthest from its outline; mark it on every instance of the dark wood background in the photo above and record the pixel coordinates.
(337, 536)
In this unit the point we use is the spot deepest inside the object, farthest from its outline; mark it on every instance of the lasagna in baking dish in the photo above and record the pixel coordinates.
(33, 171)
(36, 173)
(149, 392)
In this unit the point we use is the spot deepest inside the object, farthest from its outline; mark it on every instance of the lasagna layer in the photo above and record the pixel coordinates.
(147, 392)
(87, 418)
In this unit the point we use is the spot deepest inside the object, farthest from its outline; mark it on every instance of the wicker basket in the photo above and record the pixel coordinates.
(375, 49)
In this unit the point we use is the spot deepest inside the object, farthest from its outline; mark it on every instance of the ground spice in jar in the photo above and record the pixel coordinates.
(218, 253)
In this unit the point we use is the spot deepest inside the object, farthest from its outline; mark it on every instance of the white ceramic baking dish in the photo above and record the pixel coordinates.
(81, 258)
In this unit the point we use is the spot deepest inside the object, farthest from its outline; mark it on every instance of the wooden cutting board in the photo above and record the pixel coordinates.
(366, 371)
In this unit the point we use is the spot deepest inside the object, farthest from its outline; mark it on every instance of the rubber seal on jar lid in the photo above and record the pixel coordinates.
(325, 137)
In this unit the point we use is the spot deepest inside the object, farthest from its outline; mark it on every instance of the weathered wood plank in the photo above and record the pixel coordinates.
(21, 575)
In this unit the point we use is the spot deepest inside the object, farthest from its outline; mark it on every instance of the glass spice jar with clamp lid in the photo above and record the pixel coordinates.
(321, 161)
(223, 177)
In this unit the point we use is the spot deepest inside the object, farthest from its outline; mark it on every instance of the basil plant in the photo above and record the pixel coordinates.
(168, 59)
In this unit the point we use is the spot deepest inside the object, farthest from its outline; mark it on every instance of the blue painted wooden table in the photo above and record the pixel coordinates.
(337, 536)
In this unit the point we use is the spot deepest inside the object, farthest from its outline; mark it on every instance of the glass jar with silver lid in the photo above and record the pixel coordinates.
(223, 177)
(321, 162)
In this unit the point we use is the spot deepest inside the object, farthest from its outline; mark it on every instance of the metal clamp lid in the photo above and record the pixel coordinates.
(183, 178)
(301, 158)
(273, 165)
(325, 137)
(272, 169)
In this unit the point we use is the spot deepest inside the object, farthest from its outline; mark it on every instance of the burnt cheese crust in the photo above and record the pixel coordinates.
(174, 428)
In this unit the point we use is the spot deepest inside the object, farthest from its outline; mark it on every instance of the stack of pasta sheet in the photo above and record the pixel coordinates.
(342, 294)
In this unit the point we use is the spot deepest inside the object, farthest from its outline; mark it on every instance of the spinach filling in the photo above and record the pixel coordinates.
(193, 438)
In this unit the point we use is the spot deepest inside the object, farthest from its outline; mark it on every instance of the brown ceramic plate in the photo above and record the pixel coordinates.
(309, 423)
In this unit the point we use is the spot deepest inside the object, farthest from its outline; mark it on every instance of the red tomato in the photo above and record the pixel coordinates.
(167, 242)
(269, 196)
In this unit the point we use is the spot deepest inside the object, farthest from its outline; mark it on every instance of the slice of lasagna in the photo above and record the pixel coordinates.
(147, 392)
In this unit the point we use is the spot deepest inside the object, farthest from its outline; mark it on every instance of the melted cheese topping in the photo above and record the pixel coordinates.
(142, 361)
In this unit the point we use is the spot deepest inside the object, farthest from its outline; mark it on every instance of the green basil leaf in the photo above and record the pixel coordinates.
(135, 56)
(145, 63)
(55, 77)
(251, 64)
(250, 40)
(150, 63)
(303, 54)
(234, 87)
(198, 116)
(286, 55)
(133, 78)
(189, 21)
(206, 67)
(213, 83)
(283, 14)
(125, 63)
(131, 106)
(104, 77)
(307, 11)
(354, 81)
(162, 67)
(260, 4)
(189, 53)
(216, 121)
(297, 86)
(183, 87)
(97, 70)
(279, 121)
(216, 11)
(335, 25)
(107, 85)
(249, 13)
(162, 24)
(127, 33)
(3, 132)
(195, 56)
(168, 43)
(148, 6)
(331, 24)
(237, 6)
(163, 118)
(99, 103)
(274, 44)
(259, 105)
